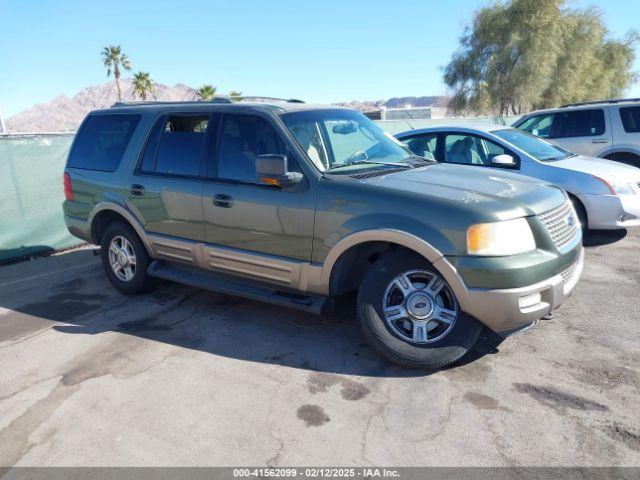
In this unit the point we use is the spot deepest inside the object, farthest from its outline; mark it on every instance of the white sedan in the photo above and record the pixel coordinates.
(606, 194)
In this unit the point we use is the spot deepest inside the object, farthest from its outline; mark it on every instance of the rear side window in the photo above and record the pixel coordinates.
(102, 140)
(578, 123)
(423, 145)
(630, 117)
(175, 146)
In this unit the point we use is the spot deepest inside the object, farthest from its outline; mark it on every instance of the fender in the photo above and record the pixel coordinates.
(128, 216)
(318, 277)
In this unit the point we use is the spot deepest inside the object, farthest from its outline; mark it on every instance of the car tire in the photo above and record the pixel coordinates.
(582, 214)
(396, 339)
(128, 275)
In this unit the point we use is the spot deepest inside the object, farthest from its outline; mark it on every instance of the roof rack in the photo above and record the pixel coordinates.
(181, 102)
(258, 98)
(596, 102)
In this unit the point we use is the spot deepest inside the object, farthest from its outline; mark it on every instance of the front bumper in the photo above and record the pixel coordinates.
(612, 212)
(507, 311)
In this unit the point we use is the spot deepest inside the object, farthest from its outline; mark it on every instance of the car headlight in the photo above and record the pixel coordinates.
(616, 187)
(500, 239)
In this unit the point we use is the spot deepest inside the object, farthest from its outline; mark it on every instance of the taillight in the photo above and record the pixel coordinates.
(68, 192)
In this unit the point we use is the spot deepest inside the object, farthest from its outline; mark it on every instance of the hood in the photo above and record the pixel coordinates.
(503, 194)
(598, 166)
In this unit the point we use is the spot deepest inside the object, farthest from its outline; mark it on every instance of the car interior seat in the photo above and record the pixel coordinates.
(462, 152)
(304, 139)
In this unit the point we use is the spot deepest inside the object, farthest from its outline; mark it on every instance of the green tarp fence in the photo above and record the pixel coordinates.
(31, 194)
(31, 191)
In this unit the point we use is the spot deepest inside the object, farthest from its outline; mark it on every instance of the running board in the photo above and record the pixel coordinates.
(194, 277)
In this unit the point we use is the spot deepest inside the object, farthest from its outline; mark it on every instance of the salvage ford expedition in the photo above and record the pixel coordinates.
(296, 205)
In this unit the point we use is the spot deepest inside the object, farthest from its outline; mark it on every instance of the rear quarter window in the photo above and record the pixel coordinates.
(630, 117)
(101, 141)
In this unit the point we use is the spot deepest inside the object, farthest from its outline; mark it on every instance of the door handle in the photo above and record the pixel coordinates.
(137, 190)
(222, 200)
(600, 140)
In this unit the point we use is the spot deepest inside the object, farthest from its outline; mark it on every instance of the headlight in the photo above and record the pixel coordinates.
(500, 239)
(616, 187)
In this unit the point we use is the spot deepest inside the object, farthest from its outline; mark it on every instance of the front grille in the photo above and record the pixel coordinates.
(562, 224)
(567, 275)
(570, 277)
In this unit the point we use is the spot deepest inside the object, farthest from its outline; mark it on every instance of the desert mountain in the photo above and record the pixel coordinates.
(64, 114)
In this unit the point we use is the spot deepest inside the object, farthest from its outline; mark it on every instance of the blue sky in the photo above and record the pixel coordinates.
(319, 51)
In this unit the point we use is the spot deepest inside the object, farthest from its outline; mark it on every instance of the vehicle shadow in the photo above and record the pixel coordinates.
(217, 324)
(597, 238)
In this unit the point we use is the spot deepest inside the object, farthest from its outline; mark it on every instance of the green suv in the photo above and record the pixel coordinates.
(296, 205)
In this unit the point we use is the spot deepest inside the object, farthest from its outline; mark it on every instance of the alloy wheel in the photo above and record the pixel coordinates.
(419, 307)
(122, 258)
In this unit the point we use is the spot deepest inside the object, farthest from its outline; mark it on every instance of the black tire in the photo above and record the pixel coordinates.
(140, 282)
(582, 214)
(432, 356)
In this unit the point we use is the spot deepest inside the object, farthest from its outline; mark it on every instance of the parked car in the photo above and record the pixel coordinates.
(605, 194)
(607, 129)
(295, 205)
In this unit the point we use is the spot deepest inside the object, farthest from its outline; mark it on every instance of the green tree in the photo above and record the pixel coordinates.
(524, 54)
(235, 96)
(143, 85)
(114, 59)
(206, 92)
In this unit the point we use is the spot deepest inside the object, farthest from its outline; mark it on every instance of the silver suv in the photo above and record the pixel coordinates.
(606, 129)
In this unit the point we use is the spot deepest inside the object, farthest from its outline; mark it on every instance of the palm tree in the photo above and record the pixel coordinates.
(142, 85)
(113, 59)
(235, 96)
(206, 92)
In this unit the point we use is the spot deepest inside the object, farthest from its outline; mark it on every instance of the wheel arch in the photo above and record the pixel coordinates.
(345, 259)
(580, 203)
(105, 213)
(620, 153)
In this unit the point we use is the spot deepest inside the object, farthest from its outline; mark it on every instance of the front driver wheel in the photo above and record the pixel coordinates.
(410, 315)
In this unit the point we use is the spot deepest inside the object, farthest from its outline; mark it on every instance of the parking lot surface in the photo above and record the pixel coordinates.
(188, 377)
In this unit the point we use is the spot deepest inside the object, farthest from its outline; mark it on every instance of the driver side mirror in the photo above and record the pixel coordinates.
(503, 160)
(273, 170)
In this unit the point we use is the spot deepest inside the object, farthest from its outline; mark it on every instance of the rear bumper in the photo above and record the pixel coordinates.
(507, 311)
(612, 212)
(78, 227)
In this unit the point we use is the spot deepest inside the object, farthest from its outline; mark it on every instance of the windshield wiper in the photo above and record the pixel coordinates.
(363, 162)
(420, 159)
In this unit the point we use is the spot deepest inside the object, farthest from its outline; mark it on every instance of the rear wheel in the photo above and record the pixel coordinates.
(410, 315)
(125, 260)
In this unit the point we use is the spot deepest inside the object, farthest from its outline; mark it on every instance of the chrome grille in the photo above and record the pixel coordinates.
(562, 224)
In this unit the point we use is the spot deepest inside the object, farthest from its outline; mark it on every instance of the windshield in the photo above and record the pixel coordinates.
(339, 141)
(534, 146)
